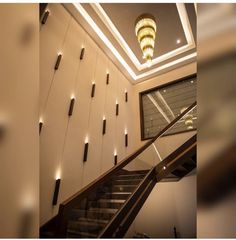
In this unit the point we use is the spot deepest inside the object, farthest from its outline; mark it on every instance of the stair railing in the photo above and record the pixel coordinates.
(76, 198)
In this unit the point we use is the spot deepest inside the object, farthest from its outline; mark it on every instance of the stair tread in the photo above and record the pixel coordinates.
(112, 193)
(93, 220)
(86, 234)
(112, 200)
(110, 210)
(86, 222)
(126, 180)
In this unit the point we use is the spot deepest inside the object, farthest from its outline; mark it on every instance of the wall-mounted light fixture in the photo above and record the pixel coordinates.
(115, 157)
(117, 108)
(2, 131)
(40, 125)
(45, 17)
(126, 96)
(93, 90)
(126, 138)
(82, 53)
(56, 192)
(72, 102)
(108, 78)
(58, 61)
(86, 145)
(104, 125)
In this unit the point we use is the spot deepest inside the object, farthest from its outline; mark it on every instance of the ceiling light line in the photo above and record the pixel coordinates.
(109, 24)
(102, 36)
(158, 107)
(170, 64)
(160, 97)
(185, 24)
(158, 154)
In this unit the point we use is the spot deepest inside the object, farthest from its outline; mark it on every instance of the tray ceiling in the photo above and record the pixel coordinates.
(111, 25)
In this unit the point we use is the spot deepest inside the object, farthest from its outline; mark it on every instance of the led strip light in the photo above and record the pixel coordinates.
(106, 41)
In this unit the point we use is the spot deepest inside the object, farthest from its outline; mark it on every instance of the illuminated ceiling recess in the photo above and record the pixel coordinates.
(145, 30)
(98, 21)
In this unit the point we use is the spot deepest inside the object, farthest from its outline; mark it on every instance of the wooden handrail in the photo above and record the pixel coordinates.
(128, 159)
(171, 162)
(77, 197)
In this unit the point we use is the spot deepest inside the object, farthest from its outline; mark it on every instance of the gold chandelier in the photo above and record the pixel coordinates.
(145, 29)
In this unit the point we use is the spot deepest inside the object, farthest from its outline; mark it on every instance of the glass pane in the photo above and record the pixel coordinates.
(162, 105)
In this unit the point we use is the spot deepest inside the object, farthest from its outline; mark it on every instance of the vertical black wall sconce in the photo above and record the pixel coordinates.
(40, 126)
(126, 139)
(104, 126)
(115, 159)
(126, 96)
(2, 131)
(82, 53)
(72, 102)
(56, 192)
(108, 78)
(58, 61)
(93, 90)
(86, 145)
(45, 17)
(117, 109)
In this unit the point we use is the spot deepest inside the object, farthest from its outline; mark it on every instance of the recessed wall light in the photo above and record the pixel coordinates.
(178, 41)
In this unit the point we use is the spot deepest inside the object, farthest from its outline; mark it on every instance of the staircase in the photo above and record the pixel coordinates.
(89, 219)
(107, 206)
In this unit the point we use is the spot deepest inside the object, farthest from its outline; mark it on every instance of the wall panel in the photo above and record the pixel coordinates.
(52, 36)
(63, 137)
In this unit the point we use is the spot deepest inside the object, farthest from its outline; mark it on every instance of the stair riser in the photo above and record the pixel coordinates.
(123, 182)
(90, 214)
(95, 229)
(106, 205)
(123, 188)
(116, 196)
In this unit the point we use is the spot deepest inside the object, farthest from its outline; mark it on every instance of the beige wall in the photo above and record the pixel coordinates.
(19, 148)
(169, 204)
(62, 138)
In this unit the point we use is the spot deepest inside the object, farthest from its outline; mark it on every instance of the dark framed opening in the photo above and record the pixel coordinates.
(161, 105)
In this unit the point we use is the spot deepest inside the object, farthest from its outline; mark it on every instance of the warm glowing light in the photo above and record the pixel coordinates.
(86, 139)
(104, 118)
(164, 167)
(188, 119)
(116, 101)
(178, 41)
(145, 29)
(41, 120)
(72, 96)
(126, 131)
(58, 174)
(115, 152)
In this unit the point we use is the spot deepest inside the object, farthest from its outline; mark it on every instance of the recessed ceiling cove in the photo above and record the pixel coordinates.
(112, 26)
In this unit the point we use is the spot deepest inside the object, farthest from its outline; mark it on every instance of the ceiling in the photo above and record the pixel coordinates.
(111, 25)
